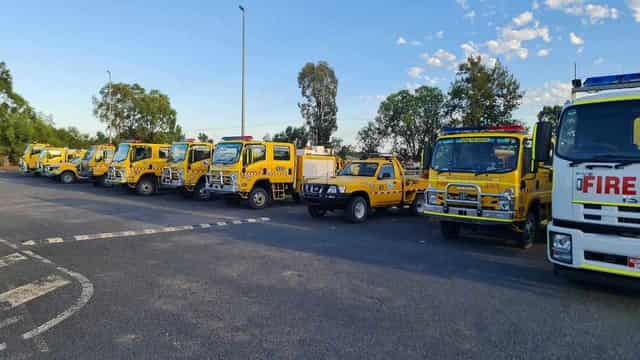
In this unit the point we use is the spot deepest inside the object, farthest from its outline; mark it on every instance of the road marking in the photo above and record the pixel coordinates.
(10, 321)
(11, 259)
(168, 229)
(3, 346)
(25, 293)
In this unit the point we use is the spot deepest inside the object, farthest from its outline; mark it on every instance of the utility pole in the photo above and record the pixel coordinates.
(109, 110)
(243, 72)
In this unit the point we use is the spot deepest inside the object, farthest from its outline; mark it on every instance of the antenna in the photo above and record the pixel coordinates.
(575, 70)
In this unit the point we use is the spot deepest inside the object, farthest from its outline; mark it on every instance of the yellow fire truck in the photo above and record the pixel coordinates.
(51, 158)
(376, 182)
(29, 159)
(261, 171)
(92, 166)
(139, 166)
(486, 176)
(187, 168)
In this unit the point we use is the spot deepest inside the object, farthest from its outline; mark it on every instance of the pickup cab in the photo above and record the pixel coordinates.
(362, 185)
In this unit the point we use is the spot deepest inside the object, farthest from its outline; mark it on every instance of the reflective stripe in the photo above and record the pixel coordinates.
(604, 203)
(610, 270)
(426, 212)
(611, 99)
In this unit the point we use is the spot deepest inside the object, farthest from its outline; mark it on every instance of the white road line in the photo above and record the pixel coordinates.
(252, 220)
(11, 259)
(3, 346)
(205, 226)
(149, 231)
(265, 219)
(169, 229)
(34, 290)
(10, 321)
(29, 243)
(237, 222)
(55, 240)
(82, 237)
(221, 223)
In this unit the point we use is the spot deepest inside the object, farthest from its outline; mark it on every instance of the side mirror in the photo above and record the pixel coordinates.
(426, 157)
(542, 133)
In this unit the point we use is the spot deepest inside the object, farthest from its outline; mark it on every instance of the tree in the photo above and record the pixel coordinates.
(319, 88)
(551, 114)
(295, 135)
(203, 137)
(411, 121)
(370, 138)
(483, 95)
(134, 112)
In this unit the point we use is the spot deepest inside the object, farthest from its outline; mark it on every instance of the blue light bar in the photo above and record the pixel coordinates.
(612, 79)
(237, 138)
(460, 130)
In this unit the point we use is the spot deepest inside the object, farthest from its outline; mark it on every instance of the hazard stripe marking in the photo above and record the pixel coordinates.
(28, 292)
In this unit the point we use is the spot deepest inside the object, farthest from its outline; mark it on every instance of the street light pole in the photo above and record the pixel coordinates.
(109, 110)
(243, 73)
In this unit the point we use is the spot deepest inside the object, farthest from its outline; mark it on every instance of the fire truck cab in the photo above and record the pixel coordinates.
(139, 166)
(29, 159)
(52, 158)
(488, 177)
(93, 166)
(596, 195)
(187, 168)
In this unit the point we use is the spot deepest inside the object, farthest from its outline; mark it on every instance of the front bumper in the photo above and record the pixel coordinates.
(221, 184)
(473, 216)
(327, 201)
(598, 252)
(116, 177)
(171, 179)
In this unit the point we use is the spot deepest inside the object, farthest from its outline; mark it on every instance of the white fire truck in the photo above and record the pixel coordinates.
(596, 195)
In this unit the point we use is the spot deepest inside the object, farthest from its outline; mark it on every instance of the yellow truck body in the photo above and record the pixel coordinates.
(53, 157)
(93, 166)
(363, 185)
(262, 171)
(139, 166)
(29, 159)
(487, 177)
(187, 168)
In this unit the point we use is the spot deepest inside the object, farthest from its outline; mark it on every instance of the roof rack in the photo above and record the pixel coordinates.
(608, 82)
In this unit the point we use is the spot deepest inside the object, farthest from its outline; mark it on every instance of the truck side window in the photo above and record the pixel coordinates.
(387, 172)
(281, 153)
(254, 153)
(164, 153)
(141, 153)
(108, 155)
(200, 154)
(526, 160)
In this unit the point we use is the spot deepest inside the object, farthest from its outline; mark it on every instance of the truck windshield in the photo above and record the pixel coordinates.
(359, 169)
(227, 153)
(602, 132)
(476, 155)
(122, 153)
(178, 152)
(89, 154)
(27, 151)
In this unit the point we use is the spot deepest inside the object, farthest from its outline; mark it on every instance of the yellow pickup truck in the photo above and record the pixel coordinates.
(485, 177)
(362, 185)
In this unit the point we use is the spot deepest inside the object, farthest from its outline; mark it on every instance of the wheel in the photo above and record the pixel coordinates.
(258, 198)
(417, 207)
(200, 193)
(529, 230)
(67, 177)
(185, 193)
(450, 230)
(357, 209)
(99, 181)
(146, 186)
(316, 211)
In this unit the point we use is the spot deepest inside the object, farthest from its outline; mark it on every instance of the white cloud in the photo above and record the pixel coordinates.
(401, 41)
(535, 5)
(510, 41)
(432, 80)
(580, 50)
(598, 61)
(416, 43)
(552, 93)
(523, 19)
(575, 39)
(445, 55)
(470, 15)
(634, 5)
(440, 34)
(471, 49)
(415, 72)
(595, 13)
(439, 58)
(433, 61)
(544, 52)
(463, 4)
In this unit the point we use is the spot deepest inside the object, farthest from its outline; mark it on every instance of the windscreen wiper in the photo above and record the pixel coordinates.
(599, 158)
(625, 163)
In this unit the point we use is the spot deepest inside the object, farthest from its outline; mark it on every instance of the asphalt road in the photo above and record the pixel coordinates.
(91, 273)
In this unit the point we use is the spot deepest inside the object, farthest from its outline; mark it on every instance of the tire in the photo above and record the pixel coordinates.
(357, 210)
(67, 177)
(199, 192)
(449, 230)
(316, 211)
(146, 186)
(259, 198)
(530, 230)
(185, 193)
(417, 207)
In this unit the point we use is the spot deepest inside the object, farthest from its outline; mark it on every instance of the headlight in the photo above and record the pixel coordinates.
(233, 177)
(433, 198)
(561, 247)
(332, 189)
(505, 203)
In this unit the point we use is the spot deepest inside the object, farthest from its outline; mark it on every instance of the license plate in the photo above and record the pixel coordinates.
(634, 262)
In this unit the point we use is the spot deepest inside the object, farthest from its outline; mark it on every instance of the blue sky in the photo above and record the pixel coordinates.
(59, 51)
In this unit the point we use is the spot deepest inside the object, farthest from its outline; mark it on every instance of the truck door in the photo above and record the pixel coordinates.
(282, 170)
(254, 163)
(198, 163)
(389, 185)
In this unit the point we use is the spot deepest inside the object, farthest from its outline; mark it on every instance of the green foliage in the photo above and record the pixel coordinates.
(551, 114)
(203, 137)
(483, 95)
(135, 113)
(319, 88)
(295, 135)
(370, 138)
(408, 120)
